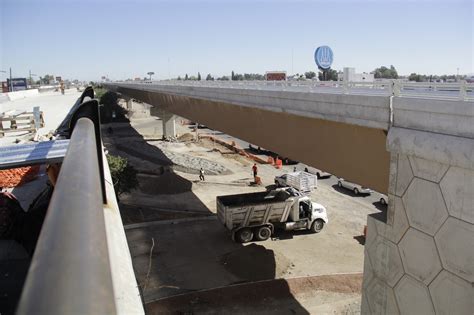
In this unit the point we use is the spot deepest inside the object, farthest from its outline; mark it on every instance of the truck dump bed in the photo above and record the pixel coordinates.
(253, 208)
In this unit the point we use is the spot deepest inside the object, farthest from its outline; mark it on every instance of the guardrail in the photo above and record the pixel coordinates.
(81, 263)
(451, 91)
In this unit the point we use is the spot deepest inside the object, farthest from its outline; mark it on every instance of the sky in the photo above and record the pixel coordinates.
(119, 39)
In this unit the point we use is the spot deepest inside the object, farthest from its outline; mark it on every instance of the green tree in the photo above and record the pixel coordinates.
(199, 76)
(124, 176)
(209, 77)
(330, 76)
(186, 77)
(179, 78)
(310, 74)
(232, 76)
(386, 73)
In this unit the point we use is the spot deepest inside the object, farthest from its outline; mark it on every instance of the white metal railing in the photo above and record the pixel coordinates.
(452, 91)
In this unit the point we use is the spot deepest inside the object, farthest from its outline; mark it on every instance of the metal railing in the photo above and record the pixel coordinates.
(451, 91)
(70, 270)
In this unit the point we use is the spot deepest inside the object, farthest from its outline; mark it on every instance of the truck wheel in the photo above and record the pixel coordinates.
(245, 235)
(339, 184)
(263, 233)
(318, 175)
(356, 191)
(317, 226)
(383, 202)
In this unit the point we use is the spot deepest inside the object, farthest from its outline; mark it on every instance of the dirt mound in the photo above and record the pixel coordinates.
(186, 137)
(255, 262)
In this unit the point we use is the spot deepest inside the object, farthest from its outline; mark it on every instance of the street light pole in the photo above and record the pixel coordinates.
(11, 83)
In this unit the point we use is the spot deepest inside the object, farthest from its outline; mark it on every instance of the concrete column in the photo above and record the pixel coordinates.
(169, 126)
(129, 103)
(419, 257)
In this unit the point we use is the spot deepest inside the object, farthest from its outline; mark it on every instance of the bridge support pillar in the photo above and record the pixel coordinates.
(169, 126)
(129, 104)
(419, 255)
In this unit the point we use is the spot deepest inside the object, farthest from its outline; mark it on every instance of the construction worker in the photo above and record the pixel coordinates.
(201, 174)
(255, 171)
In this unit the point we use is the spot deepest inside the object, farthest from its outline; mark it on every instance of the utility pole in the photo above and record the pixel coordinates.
(11, 83)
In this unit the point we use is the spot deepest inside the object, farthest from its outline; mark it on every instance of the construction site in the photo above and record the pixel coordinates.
(184, 257)
(188, 219)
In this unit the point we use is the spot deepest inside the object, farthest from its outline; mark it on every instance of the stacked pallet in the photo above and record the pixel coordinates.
(21, 121)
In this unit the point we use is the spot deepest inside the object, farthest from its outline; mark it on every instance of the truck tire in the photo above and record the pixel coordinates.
(244, 235)
(356, 191)
(263, 233)
(339, 184)
(317, 226)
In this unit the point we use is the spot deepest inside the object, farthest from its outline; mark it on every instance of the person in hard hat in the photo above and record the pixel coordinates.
(62, 87)
(255, 171)
(201, 174)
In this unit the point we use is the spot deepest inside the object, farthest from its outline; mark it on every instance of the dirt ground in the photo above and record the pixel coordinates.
(178, 246)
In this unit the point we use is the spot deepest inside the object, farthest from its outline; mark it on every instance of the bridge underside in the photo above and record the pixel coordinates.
(356, 153)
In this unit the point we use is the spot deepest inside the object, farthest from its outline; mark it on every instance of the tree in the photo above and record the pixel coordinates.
(310, 74)
(179, 78)
(331, 75)
(186, 77)
(47, 78)
(124, 176)
(199, 76)
(232, 77)
(209, 77)
(386, 73)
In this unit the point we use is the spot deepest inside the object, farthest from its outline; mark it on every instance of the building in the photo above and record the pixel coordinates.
(349, 74)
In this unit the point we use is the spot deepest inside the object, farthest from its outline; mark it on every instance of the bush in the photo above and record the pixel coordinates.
(124, 176)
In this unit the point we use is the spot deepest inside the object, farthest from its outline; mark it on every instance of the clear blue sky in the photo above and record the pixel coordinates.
(124, 39)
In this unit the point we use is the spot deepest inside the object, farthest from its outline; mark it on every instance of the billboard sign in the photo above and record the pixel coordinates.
(323, 57)
(17, 84)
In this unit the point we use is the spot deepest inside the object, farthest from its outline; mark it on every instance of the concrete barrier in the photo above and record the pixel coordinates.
(12, 96)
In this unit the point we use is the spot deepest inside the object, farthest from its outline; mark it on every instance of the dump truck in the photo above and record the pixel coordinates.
(302, 181)
(256, 216)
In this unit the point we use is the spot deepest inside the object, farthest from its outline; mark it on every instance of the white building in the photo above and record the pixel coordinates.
(350, 75)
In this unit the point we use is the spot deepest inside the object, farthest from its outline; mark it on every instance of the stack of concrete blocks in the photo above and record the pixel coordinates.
(421, 261)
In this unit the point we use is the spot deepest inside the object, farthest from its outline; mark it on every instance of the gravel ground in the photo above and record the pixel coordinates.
(199, 254)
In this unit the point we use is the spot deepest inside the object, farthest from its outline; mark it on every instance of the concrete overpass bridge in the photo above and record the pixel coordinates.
(416, 144)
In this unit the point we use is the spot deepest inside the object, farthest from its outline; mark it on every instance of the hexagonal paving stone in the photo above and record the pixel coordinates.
(425, 206)
(430, 170)
(381, 298)
(404, 175)
(413, 297)
(386, 262)
(451, 294)
(397, 219)
(419, 256)
(457, 187)
(455, 241)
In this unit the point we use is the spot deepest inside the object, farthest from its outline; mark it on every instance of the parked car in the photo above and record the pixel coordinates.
(355, 188)
(313, 170)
